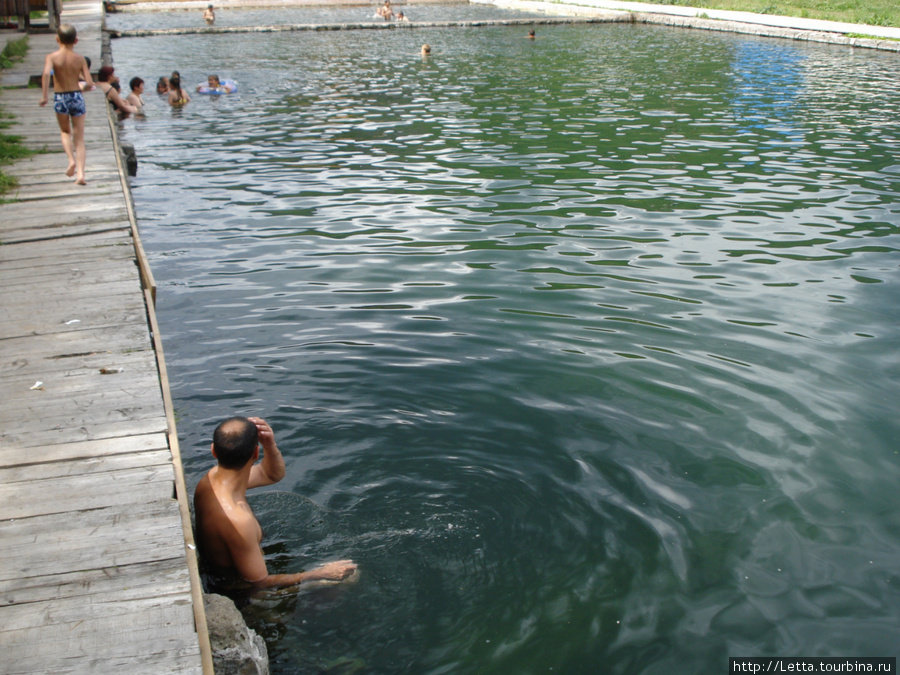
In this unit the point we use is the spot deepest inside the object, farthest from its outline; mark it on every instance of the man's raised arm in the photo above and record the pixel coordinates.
(271, 468)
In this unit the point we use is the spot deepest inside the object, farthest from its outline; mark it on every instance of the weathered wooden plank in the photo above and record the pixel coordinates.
(134, 425)
(114, 242)
(73, 310)
(63, 307)
(64, 231)
(40, 323)
(150, 613)
(80, 204)
(72, 610)
(175, 661)
(128, 336)
(172, 655)
(110, 551)
(77, 493)
(116, 403)
(18, 371)
(104, 550)
(74, 256)
(104, 185)
(73, 287)
(56, 385)
(79, 426)
(59, 230)
(87, 466)
(133, 629)
(62, 523)
(134, 374)
(10, 455)
(60, 269)
(141, 579)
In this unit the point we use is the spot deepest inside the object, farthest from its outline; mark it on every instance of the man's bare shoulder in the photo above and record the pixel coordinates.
(208, 501)
(204, 490)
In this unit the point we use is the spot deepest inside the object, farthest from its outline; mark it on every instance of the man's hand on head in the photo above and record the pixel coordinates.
(266, 435)
(271, 468)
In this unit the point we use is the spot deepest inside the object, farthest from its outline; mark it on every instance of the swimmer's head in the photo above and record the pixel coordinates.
(213, 80)
(426, 49)
(66, 34)
(235, 442)
(105, 74)
(136, 83)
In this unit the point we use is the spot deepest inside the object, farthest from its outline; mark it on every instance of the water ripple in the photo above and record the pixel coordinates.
(587, 371)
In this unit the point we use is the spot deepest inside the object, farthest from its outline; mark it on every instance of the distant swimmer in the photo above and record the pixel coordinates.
(135, 98)
(531, 34)
(209, 15)
(177, 96)
(385, 11)
(426, 50)
(228, 533)
(216, 86)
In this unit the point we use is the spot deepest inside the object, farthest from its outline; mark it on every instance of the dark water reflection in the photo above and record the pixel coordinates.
(585, 348)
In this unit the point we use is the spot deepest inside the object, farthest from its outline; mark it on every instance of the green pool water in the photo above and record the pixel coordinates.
(585, 348)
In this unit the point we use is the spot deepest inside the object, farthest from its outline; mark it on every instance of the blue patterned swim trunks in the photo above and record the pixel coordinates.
(69, 103)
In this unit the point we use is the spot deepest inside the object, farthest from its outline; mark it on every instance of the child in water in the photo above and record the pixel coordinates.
(177, 96)
(214, 84)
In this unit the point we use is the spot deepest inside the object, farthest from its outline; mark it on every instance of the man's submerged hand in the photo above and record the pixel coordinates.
(333, 571)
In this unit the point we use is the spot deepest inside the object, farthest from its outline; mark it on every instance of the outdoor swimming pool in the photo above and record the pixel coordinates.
(584, 348)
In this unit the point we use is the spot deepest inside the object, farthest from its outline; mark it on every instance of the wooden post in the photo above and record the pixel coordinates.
(24, 14)
(53, 11)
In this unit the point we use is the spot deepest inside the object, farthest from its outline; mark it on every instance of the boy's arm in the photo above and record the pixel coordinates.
(45, 81)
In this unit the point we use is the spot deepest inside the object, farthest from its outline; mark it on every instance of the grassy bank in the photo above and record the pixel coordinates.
(13, 52)
(872, 12)
(11, 147)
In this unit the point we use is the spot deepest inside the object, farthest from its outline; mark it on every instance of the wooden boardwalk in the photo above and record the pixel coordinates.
(97, 571)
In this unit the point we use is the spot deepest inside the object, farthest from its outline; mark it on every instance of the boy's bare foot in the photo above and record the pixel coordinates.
(80, 181)
(71, 170)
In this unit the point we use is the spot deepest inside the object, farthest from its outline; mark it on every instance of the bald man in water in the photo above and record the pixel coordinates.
(228, 534)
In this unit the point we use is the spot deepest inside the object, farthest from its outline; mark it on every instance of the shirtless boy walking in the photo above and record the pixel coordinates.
(67, 68)
(228, 534)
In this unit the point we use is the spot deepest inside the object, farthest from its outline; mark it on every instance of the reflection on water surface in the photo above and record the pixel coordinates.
(585, 348)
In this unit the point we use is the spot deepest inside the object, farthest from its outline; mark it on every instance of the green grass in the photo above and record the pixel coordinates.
(11, 147)
(14, 51)
(872, 12)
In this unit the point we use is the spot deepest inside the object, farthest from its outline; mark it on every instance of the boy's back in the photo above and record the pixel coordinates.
(67, 67)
